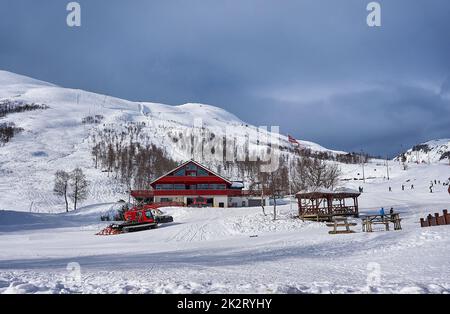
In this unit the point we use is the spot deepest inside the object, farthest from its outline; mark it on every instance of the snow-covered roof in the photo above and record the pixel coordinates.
(344, 190)
(318, 190)
(237, 185)
(326, 191)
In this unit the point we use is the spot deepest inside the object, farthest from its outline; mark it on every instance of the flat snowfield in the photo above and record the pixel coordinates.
(211, 250)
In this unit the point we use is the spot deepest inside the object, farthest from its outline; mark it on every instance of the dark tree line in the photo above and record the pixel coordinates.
(349, 158)
(8, 106)
(7, 131)
(95, 119)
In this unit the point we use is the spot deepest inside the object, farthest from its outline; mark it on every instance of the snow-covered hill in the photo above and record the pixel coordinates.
(57, 139)
(429, 152)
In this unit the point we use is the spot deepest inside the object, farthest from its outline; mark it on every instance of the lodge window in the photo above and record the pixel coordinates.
(217, 186)
(179, 187)
(164, 186)
(180, 173)
(203, 186)
(202, 172)
(191, 167)
(191, 173)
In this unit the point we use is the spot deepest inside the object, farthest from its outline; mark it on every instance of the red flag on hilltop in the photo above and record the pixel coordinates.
(293, 140)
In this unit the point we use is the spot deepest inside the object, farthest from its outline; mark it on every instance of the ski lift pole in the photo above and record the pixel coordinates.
(289, 182)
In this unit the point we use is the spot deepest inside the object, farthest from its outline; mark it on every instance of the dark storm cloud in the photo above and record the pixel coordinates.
(313, 67)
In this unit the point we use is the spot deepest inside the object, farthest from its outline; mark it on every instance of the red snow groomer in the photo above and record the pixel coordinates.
(140, 218)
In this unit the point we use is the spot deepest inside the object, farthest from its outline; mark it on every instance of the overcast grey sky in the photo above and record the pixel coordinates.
(313, 67)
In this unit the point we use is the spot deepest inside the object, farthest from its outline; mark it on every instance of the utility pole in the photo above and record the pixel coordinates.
(363, 162)
(387, 167)
(289, 182)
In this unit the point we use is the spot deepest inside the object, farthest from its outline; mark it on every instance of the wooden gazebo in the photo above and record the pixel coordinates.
(322, 204)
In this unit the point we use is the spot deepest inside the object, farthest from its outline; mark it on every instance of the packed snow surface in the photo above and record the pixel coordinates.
(240, 250)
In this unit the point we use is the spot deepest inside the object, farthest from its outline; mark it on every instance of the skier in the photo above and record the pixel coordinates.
(412, 186)
(431, 189)
(390, 189)
(403, 187)
(382, 213)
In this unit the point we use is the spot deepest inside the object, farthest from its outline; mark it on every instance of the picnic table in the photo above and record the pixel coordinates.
(340, 222)
(369, 220)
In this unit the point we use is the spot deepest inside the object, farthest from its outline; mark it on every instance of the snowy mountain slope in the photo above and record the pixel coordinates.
(57, 139)
(429, 152)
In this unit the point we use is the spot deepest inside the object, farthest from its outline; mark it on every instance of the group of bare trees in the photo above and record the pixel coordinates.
(7, 131)
(292, 176)
(311, 173)
(295, 175)
(73, 186)
(129, 160)
(347, 158)
(13, 106)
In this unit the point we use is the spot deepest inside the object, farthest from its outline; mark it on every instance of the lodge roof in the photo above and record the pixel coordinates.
(196, 163)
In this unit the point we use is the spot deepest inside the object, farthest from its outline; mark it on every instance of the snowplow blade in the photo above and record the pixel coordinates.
(111, 230)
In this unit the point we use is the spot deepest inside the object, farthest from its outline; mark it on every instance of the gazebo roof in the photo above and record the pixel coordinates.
(322, 192)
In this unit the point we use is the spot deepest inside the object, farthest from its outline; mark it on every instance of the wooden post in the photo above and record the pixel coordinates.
(429, 217)
(436, 217)
(299, 206)
(422, 222)
(446, 218)
(330, 204)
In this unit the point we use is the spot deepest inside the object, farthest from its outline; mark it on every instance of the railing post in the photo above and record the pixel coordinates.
(429, 217)
(436, 217)
(446, 218)
(422, 222)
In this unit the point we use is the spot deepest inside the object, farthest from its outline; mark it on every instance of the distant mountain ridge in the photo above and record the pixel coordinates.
(433, 151)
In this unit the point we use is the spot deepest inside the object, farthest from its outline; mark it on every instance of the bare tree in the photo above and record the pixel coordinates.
(320, 174)
(275, 184)
(313, 173)
(79, 187)
(62, 185)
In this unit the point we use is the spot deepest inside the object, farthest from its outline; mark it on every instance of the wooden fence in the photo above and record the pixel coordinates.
(436, 220)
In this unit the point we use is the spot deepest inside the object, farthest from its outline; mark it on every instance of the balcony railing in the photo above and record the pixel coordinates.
(227, 192)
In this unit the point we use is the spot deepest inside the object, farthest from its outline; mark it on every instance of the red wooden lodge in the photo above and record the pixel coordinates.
(194, 185)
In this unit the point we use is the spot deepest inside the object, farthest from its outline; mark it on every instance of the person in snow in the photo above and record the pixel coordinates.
(390, 189)
(431, 189)
(382, 213)
(403, 187)
(412, 186)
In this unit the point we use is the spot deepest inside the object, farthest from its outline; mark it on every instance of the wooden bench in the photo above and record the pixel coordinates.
(340, 222)
(370, 220)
